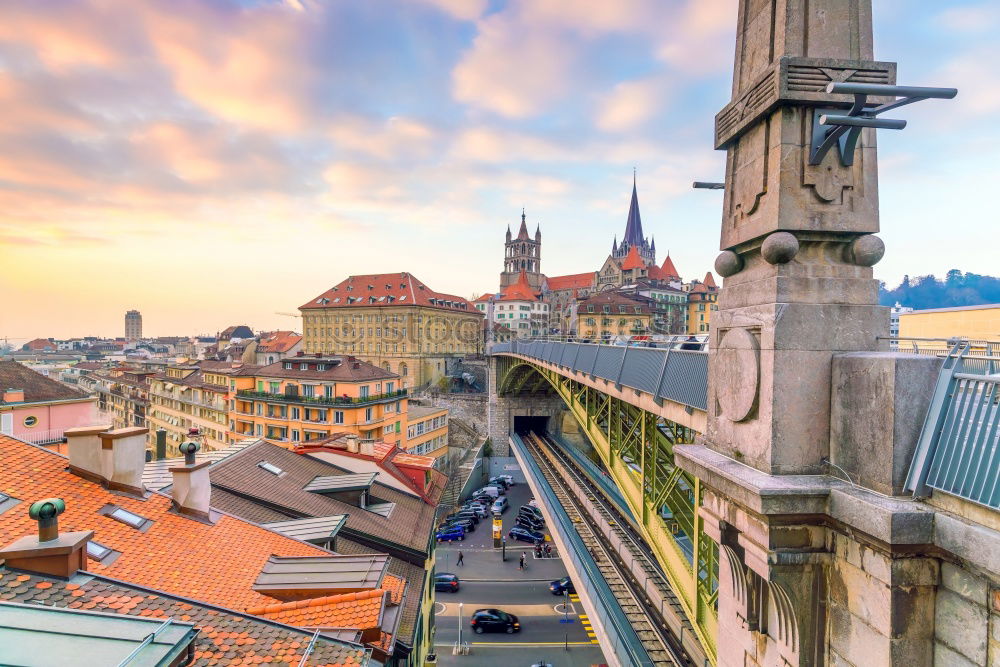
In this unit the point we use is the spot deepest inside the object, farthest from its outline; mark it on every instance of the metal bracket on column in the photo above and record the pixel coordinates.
(832, 127)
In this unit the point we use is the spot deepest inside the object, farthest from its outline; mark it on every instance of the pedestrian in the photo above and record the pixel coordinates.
(521, 565)
(461, 559)
(548, 551)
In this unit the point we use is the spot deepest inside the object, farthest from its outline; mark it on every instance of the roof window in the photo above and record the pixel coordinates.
(122, 515)
(270, 467)
(100, 553)
(7, 502)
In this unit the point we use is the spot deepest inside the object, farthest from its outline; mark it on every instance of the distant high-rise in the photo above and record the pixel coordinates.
(133, 325)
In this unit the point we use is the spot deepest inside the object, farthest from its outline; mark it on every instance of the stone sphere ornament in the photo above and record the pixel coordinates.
(867, 250)
(780, 248)
(728, 263)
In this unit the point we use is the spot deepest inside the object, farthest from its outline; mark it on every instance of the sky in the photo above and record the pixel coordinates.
(214, 162)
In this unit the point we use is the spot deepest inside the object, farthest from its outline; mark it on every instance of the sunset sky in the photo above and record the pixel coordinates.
(214, 162)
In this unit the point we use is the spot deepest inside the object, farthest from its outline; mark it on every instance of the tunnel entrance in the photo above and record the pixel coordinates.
(523, 425)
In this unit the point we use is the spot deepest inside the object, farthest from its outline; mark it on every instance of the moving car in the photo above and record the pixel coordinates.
(447, 582)
(562, 586)
(450, 534)
(494, 620)
(500, 505)
(526, 535)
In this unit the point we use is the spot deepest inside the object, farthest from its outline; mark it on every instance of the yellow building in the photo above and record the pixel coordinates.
(702, 298)
(310, 397)
(185, 397)
(122, 395)
(427, 432)
(972, 322)
(396, 322)
(607, 314)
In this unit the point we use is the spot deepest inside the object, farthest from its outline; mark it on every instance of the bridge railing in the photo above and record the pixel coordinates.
(959, 447)
(678, 375)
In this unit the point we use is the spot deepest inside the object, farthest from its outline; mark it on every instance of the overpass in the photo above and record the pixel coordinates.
(635, 404)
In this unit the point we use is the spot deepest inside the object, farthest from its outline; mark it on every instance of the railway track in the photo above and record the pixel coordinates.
(660, 643)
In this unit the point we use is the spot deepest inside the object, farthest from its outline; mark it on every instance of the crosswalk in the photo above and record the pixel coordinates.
(584, 621)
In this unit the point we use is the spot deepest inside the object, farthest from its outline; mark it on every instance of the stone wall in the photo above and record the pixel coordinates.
(966, 619)
(470, 408)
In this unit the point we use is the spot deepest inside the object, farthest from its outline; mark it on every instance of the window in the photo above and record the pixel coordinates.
(338, 416)
(99, 552)
(275, 387)
(270, 467)
(309, 390)
(328, 391)
(364, 391)
(128, 518)
(295, 413)
(368, 414)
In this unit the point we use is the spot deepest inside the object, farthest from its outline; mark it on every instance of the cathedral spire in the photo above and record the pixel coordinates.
(633, 227)
(522, 233)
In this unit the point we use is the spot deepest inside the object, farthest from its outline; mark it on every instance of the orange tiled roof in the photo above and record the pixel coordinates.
(668, 270)
(278, 341)
(709, 280)
(519, 291)
(386, 290)
(359, 611)
(572, 281)
(214, 563)
(632, 260)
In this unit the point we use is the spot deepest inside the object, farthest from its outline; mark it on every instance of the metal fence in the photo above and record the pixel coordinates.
(959, 447)
(678, 375)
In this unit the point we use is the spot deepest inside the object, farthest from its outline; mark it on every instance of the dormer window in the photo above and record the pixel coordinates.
(288, 366)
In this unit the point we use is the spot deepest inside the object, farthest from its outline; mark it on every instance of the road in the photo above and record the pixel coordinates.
(542, 636)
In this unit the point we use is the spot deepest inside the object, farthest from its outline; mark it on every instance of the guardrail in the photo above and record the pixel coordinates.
(959, 447)
(677, 375)
(625, 643)
(322, 400)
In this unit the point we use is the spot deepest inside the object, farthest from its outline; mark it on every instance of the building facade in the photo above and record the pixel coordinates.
(607, 314)
(427, 432)
(560, 293)
(311, 397)
(396, 322)
(37, 409)
(133, 326)
(275, 346)
(184, 398)
(522, 254)
(971, 322)
(122, 395)
(702, 300)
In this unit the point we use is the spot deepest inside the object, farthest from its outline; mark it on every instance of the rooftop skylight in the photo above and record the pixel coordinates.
(128, 518)
(270, 467)
(98, 551)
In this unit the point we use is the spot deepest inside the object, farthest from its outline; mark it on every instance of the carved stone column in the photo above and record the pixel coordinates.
(797, 239)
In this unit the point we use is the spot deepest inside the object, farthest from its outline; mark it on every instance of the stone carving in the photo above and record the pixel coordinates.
(780, 248)
(728, 263)
(788, 629)
(749, 173)
(737, 374)
(867, 250)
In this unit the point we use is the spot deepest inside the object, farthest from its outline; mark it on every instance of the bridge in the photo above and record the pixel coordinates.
(634, 404)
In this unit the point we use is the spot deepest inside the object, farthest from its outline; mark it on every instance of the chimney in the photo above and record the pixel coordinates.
(49, 552)
(352, 443)
(161, 443)
(123, 456)
(13, 396)
(192, 488)
(84, 446)
(367, 446)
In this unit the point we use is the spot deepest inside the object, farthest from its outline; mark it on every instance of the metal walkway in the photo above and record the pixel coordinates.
(627, 571)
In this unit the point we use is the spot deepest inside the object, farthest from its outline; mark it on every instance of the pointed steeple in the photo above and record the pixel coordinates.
(709, 280)
(522, 233)
(614, 245)
(633, 227)
(508, 233)
(538, 232)
(668, 270)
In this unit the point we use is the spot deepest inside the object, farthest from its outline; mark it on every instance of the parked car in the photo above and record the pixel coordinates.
(500, 505)
(508, 478)
(526, 535)
(490, 491)
(477, 509)
(450, 534)
(533, 503)
(494, 620)
(528, 510)
(465, 524)
(500, 482)
(447, 582)
(463, 514)
(525, 522)
(562, 586)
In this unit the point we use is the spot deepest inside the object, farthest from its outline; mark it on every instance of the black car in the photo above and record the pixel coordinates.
(494, 620)
(526, 535)
(562, 586)
(469, 514)
(447, 582)
(529, 511)
(526, 522)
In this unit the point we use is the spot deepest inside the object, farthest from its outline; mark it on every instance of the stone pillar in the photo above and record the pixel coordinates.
(797, 239)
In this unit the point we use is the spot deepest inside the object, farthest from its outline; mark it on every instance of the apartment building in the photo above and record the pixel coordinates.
(307, 398)
(186, 397)
(427, 432)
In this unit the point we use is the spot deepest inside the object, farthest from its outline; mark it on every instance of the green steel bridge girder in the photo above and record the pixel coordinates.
(636, 447)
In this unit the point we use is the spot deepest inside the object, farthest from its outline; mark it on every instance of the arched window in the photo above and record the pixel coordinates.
(385, 366)
(403, 370)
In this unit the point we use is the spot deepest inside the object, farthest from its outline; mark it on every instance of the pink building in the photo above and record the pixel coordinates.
(37, 409)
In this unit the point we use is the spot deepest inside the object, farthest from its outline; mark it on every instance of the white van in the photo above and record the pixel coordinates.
(490, 491)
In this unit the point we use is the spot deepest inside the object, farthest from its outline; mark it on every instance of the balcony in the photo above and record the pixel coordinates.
(333, 400)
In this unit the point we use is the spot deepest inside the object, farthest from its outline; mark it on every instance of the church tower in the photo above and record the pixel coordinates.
(522, 253)
(633, 234)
